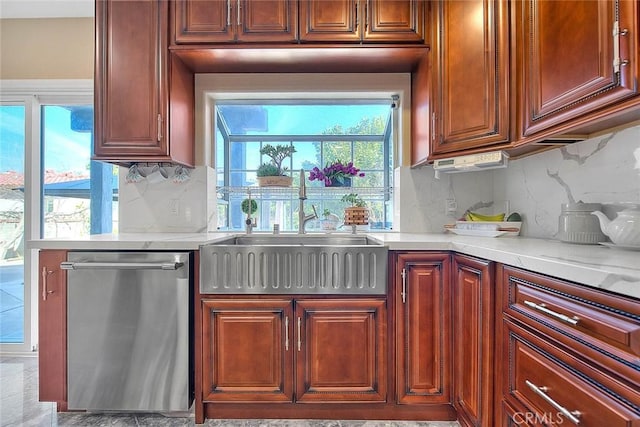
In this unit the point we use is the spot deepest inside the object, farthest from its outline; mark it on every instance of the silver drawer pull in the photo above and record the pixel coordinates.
(45, 290)
(573, 416)
(299, 334)
(541, 307)
(286, 333)
(67, 265)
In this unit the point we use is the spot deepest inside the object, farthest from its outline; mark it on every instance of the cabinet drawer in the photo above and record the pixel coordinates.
(555, 388)
(592, 323)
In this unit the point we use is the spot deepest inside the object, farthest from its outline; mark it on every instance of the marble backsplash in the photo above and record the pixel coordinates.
(605, 169)
(170, 205)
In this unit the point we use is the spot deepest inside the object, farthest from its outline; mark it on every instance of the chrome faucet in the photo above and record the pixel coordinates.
(249, 223)
(302, 196)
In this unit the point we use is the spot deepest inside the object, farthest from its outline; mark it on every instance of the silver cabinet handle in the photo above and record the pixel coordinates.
(286, 333)
(433, 126)
(357, 20)
(228, 13)
(617, 61)
(366, 15)
(299, 336)
(239, 20)
(159, 127)
(45, 275)
(541, 307)
(573, 416)
(404, 286)
(120, 265)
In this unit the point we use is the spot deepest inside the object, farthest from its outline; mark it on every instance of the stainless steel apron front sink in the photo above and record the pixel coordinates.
(292, 264)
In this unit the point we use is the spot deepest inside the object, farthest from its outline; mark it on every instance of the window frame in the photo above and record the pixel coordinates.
(228, 192)
(33, 94)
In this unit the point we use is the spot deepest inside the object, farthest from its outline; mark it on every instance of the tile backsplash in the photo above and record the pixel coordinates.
(605, 169)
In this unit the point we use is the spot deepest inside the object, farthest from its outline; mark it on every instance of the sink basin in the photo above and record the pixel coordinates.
(299, 240)
(294, 264)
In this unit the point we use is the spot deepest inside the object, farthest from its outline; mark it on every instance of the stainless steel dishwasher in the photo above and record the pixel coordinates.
(128, 331)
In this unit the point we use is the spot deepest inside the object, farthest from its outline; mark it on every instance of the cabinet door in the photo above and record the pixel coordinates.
(472, 294)
(341, 352)
(131, 61)
(247, 351)
(423, 327)
(197, 21)
(394, 20)
(267, 21)
(471, 75)
(330, 21)
(52, 328)
(568, 52)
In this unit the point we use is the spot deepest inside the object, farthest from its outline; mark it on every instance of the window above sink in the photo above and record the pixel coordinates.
(355, 129)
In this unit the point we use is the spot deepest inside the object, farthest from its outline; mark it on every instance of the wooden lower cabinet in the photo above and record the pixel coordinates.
(473, 314)
(247, 351)
(52, 328)
(257, 350)
(341, 351)
(567, 354)
(423, 327)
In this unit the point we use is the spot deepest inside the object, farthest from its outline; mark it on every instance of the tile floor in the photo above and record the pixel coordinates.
(19, 406)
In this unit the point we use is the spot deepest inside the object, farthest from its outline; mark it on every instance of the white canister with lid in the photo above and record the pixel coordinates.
(577, 225)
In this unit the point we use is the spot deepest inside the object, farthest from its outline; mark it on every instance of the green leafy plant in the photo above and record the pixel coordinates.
(249, 204)
(354, 200)
(277, 154)
(326, 213)
(268, 169)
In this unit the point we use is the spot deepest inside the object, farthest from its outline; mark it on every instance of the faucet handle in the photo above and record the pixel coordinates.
(315, 214)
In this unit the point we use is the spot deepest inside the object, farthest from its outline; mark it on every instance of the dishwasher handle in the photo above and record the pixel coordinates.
(68, 265)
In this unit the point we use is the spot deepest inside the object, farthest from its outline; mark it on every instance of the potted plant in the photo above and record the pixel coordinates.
(329, 221)
(272, 174)
(357, 213)
(336, 174)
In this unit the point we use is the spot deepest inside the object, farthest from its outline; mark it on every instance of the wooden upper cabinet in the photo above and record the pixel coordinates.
(133, 78)
(568, 56)
(230, 21)
(423, 328)
(394, 20)
(330, 20)
(52, 328)
(471, 104)
(202, 21)
(361, 20)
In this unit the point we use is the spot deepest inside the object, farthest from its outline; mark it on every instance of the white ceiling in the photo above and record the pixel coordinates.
(46, 8)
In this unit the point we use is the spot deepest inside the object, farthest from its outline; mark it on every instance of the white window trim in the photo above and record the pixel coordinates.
(209, 87)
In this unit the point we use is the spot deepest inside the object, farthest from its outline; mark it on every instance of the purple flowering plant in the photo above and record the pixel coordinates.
(334, 172)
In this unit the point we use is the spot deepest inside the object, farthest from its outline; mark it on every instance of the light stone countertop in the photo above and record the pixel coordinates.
(611, 269)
